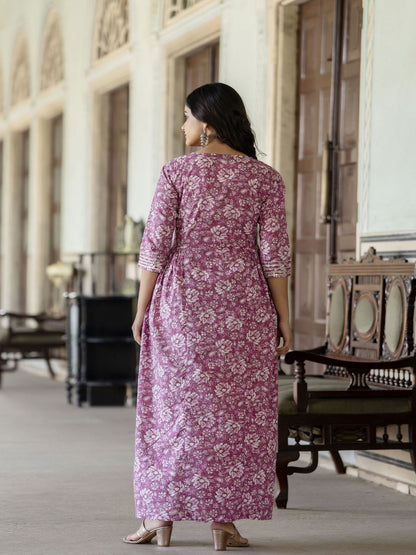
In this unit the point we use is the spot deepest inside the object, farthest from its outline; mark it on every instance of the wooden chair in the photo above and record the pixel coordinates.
(24, 336)
(365, 398)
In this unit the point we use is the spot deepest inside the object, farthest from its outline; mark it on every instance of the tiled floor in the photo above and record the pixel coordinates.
(65, 488)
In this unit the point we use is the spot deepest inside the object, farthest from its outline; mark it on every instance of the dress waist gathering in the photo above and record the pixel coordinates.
(220, 248)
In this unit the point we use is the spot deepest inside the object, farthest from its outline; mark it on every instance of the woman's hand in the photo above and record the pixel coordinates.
(147, 285)
(137, 327)
(286, 334)
(279, 291)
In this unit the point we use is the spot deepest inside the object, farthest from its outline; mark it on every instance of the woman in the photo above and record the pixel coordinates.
(210, 308)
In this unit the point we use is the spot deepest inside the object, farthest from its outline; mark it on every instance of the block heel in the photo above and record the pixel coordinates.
(163, 536)
(220, 538)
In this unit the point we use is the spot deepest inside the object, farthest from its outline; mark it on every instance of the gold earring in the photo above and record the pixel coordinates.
(203, 138)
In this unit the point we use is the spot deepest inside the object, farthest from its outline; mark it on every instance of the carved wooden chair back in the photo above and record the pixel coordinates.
(371, 314)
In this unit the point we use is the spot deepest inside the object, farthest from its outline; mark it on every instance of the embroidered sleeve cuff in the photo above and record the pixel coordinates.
(149, 263)
(272, 269)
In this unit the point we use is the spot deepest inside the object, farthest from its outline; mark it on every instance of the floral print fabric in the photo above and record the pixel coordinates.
(207, 389)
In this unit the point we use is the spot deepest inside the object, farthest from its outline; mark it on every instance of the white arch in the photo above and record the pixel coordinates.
(52, 61)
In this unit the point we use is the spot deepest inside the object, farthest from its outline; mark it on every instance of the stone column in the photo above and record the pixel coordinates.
(11, 225)
(38, 285)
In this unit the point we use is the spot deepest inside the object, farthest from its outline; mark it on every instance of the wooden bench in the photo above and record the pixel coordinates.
(24, 336)
(365, 398)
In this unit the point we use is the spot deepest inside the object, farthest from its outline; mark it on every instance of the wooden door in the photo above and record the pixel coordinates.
(56, 189)
(117, 183)
(118, 162)
(329, 50)
(317, 19)
(53, 254)
(347, 136)
(201, 67)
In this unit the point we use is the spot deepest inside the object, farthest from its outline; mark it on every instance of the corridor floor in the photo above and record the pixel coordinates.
(66, 489)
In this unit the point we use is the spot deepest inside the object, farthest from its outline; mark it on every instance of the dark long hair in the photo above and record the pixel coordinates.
(221, 107)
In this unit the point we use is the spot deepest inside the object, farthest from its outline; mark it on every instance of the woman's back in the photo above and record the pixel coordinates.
(207, 320)
(220, 199)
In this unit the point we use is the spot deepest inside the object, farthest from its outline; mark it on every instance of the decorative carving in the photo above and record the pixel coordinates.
(371, 256)
(337, 315)
(20, 81)
(112, 27)
(173, 8)
(399, 311)
(52, 70)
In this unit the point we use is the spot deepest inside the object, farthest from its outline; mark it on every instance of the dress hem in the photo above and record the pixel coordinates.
(200, 519)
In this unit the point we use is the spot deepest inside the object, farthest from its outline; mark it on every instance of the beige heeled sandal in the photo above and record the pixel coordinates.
(222, 539)
(143, 535)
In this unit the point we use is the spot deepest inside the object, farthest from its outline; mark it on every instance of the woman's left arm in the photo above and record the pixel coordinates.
(275, 255)
(274, 241)
(279, 292)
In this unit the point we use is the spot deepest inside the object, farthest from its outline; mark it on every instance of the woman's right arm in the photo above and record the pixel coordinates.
(156, 243)
(147, 285)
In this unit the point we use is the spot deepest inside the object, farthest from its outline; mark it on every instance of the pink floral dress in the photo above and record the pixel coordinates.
(207, 388)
